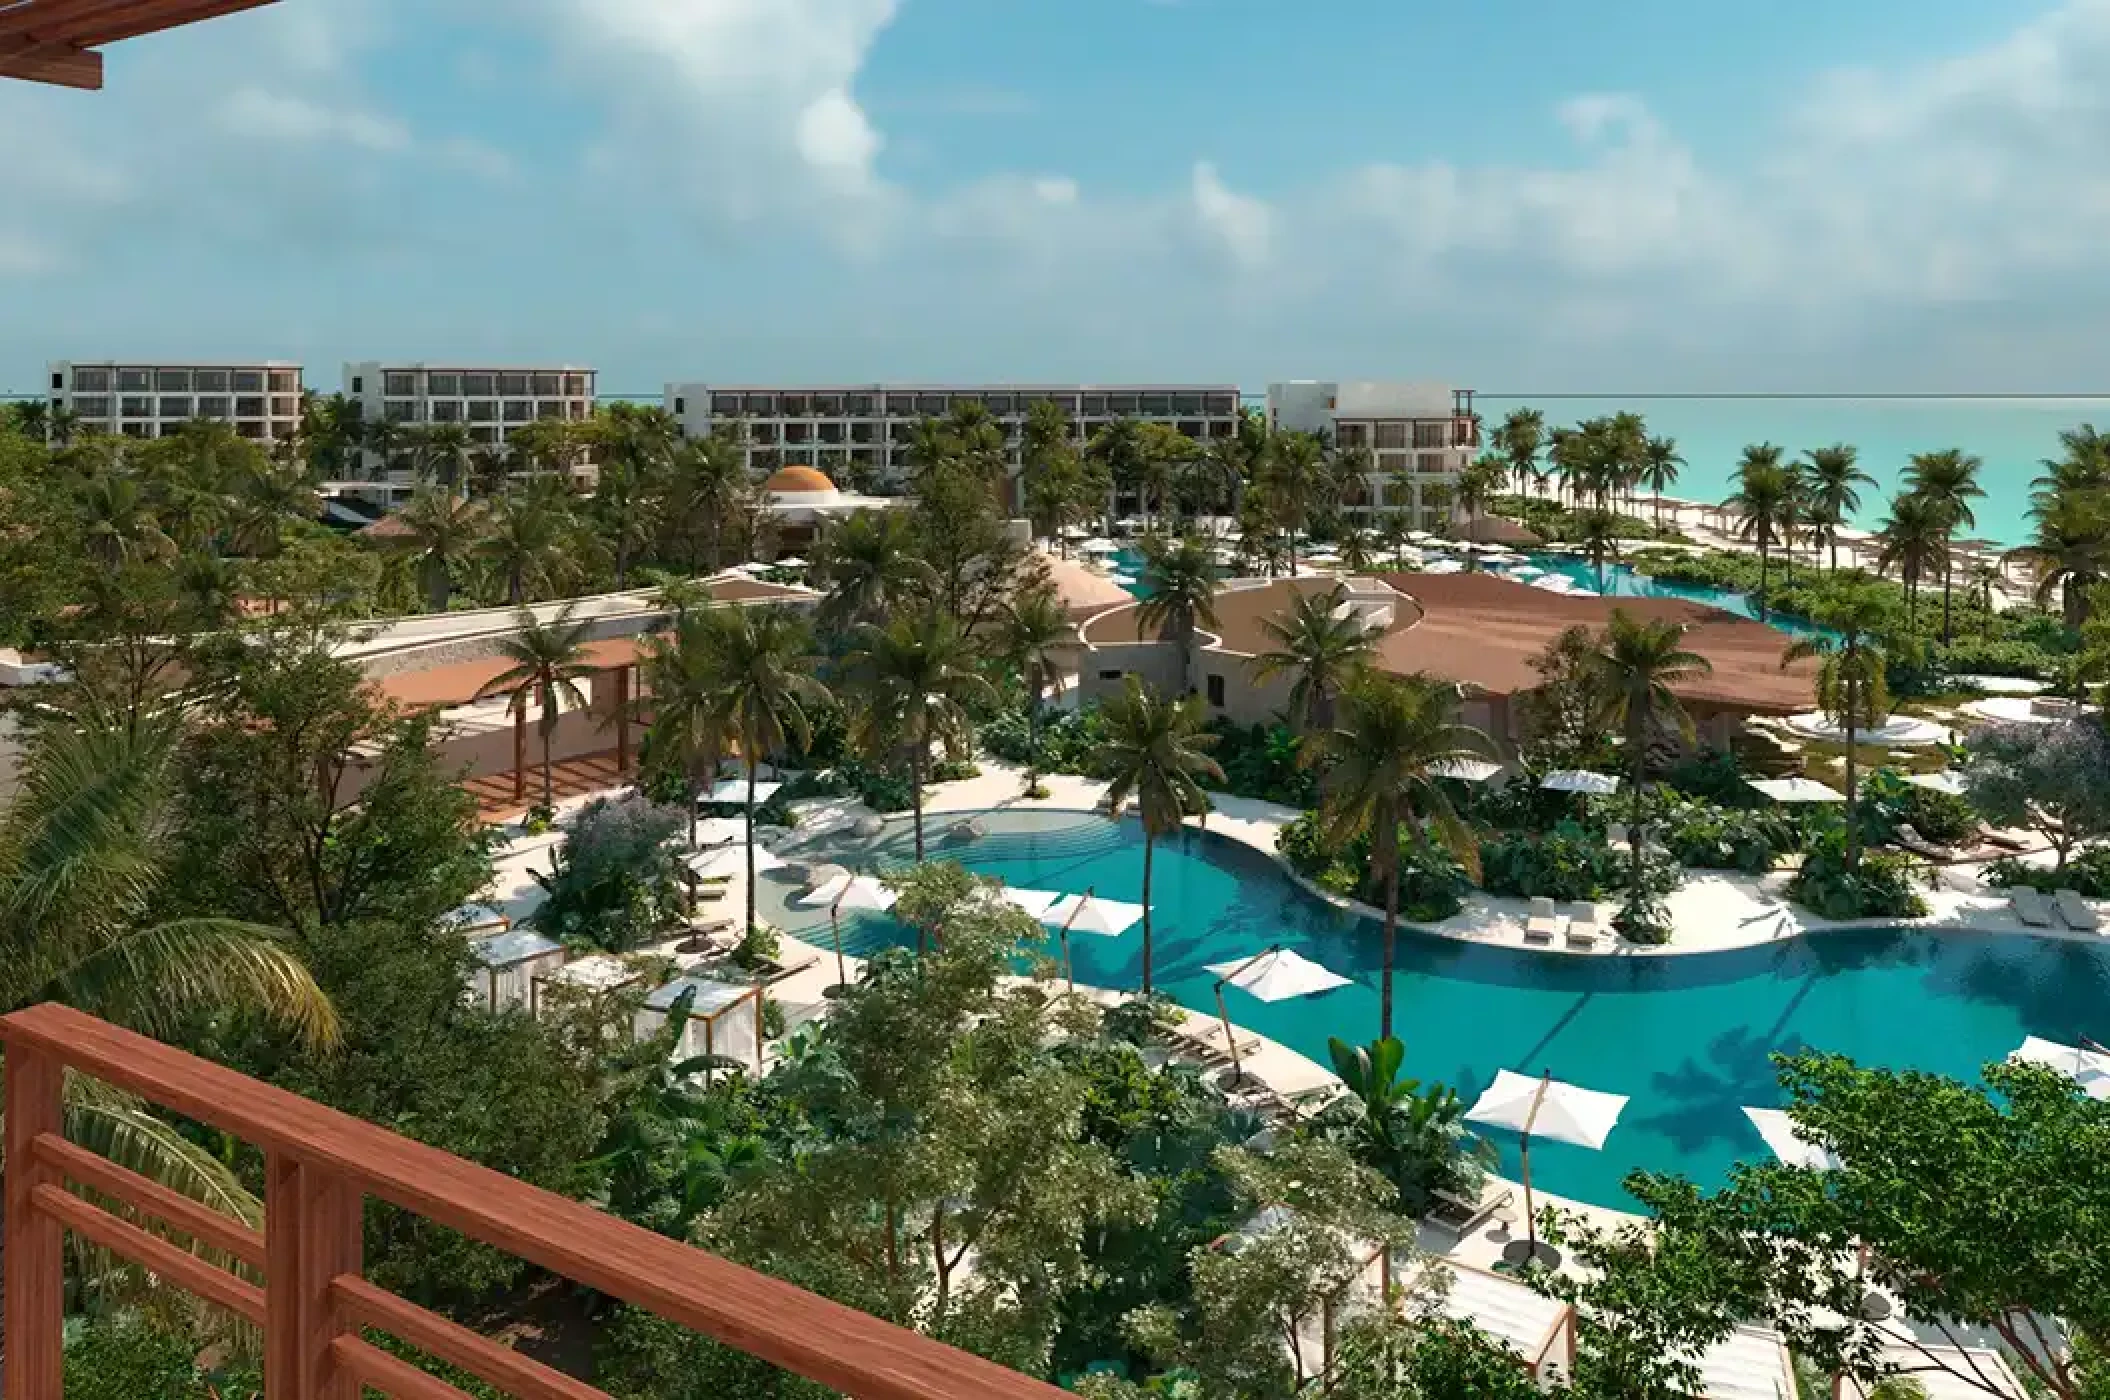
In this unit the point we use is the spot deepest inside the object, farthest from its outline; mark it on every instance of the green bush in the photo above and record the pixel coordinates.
(1881, 886)
(1068, 740)
(953, 770)
(616, 879)
(1892, 802)
(1713, 775)
(2087, 873)
(1705, 836)
(1260, 761)
(1432, 885)
(1568, 862)
(875, 787)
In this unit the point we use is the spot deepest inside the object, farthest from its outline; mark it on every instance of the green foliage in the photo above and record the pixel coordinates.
(2054, 778)
(1567, 862)
(1261, 761)
(1066, 742)
(616, 882)
(2087, 873)
(1557, 524)
(1712, 775)
(1432, 885)
(1879, 885)
(1703, 836)
(1414, 1137)
(127, 1357)
(1890, 802)
(874, 786)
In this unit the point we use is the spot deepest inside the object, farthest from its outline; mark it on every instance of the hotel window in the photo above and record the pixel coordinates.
(518, 410)
(1155, 405)
(135, 430)
(1186, 403)
(285, 408)
(86, 381)
(399, 383)
(576, 408)
(446, 412)
(900, 432)
(443, 385)
(1111, 675)
(1192, 429)
(358, 383)
(1432, 462)
(396, 410)
(831, 432)
(931, 405)
(213, 406)
(762, 405)
(798, 432)
(249, 381)
(864, 432)
(1221, 404)
(483, 434)
(250, 430)
(211, 381)
(92, 408)
(137, 408)
(549, 410)
(1067, 403)
(132, 381)
(1389, 462)
(1001, 403)
(794, 406)
(477, 386)
(248, 408)
(1429, 435)
(681, 405)
(548, 386)
(1094, 406)
(900, 404)
(176, 407)
(1216, 691)
(725, 405)
(1349, 435)
(765, 432)
(172, 381)
(482, 411)
(860, 406)
(512, 385)
(285, 381)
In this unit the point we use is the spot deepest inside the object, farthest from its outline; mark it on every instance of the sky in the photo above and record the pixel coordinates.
(1620, 197)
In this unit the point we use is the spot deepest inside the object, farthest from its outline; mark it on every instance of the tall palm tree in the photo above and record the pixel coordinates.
(1155, 754)
(703, 487)
(915, 679)
(1833, 481)
(1382, 765)
(1914, 541)
(269, 497)
(31, 418)
(1851, 686)
(1659, 469)
(2070, 547)
(1300, 482)
(528, 537)
(439, 452)
(1321, 649)
(760, 663)
(1179, 594)
(1519, 439)
(444, 529)
(1764, 505)
(1357, 548)
(1635, 665)
(1597, 531)
(1948, 478)
(548, 662)
(1120, 449)
(688, 727)
(1476, 487)
(870, 569)
(119, 520)
(1034, 636)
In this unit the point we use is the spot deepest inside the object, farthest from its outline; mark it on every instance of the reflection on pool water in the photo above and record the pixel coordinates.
(1623, 582)
(1686, 1036)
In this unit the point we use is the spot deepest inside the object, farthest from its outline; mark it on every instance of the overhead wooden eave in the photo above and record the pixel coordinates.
(56, 41)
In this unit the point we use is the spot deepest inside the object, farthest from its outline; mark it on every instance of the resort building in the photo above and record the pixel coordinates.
(1417, 438)
(803, 500)
(1478, 630)
(493, 403)
(131, 398)
(856, 432)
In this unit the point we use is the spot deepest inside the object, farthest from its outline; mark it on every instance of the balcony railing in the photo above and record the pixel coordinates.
(300, 1279)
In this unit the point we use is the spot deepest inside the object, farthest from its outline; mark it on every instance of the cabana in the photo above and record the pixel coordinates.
(1538, 1330)
(1751, 1363)
(724, 1019)
(597, 974)
(507, 965)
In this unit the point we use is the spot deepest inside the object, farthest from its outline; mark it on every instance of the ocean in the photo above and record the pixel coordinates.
(2011, 435)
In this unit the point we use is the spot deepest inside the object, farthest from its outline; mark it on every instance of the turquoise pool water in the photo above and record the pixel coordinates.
(1623, 582)
(1686, 1036)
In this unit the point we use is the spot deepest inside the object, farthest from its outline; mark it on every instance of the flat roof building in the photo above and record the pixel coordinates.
(491, 402)
(149, 399)
(1418, 438)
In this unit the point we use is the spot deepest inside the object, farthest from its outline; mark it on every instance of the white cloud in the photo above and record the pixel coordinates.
(1056, 189)
(836, 139)
(1243, 225)
(278, 116)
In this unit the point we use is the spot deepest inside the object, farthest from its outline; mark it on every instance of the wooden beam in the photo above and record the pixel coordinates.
(129, 19)
(39, 61)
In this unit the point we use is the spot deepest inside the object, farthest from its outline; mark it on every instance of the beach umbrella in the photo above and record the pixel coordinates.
(1787, 1141)
(1948, 781)
(1273, 974)
(719, 831)
(1796, 790)
(1466, 770)
(846, 891)
(733, 792)
(1087, 913)
(1420, 536)
(1444, 566)
(823, 874)
(1034, 902)
(1549, 1108)
(2087, 1065)
(732, 860)
(794, 562)
(1581, 780)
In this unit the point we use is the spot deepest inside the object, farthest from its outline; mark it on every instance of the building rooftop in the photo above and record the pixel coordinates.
(1241, 616)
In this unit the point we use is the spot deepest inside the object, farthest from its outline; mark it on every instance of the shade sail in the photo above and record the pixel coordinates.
(1034, 902)
(1581, 780)
(1566, 1112)
(719, 831)
(845, 892)
(732, 860)
(733, 791)
(1466, 770)
(1278, 975)
(2089, 1068)
(1787, 1141)
(1796, 790)
(1087, 913)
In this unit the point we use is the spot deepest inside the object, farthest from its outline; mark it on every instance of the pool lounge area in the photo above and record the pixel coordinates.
(1687, 1037)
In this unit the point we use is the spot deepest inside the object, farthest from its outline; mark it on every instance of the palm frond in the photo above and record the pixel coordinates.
(154, 978)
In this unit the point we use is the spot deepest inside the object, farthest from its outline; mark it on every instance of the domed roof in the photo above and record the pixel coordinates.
(797, 481)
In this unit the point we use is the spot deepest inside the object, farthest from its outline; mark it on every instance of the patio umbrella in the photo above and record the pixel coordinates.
(1581, 780)
(1273, 974)
(1787, 1141)
(846, 891)
(1796, 790)
(2088, 1066)
(719, 831)
(1087, 913)
(825, 873)
(794, 562)
(1034, 902)
(1466, 770)
(732, 792)
(732, 860)
(1947, 781)
(1551, 1108)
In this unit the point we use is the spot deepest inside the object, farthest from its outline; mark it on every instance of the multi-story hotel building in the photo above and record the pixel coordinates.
(1417, 437)
(855, 433)
(491, 402)
(260, 398)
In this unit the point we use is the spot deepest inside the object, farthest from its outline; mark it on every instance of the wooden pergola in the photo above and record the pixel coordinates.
(56, 41)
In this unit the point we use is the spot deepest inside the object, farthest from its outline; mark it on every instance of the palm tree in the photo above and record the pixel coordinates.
(870, 568)
(1322, 649)
(1659, 468)
(444, 529)
(1851, 686)
(119, 521)
(1300, 482)
(549, 661)
(527, 536)
(759, 662)
(1634, 667)
(1833, 480)
(1119, 448)
(439, 452)
(688, 727)
(31, 418)
(267, 499)
(1357, 549)
(1382, 765)
(1155, 754)
(1915, 541)
(1597, 531)
(2071, 550)
(1476, 487)
(1764, 504)
(1948, 478)
(1179, 594)
(1519, 438)
(1035, 635)
(708, 477)
(915, 679)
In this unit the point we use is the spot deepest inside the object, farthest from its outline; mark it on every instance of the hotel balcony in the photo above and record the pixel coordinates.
(300, 1281)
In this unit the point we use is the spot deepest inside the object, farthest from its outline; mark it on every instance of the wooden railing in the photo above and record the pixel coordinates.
(300, 1279)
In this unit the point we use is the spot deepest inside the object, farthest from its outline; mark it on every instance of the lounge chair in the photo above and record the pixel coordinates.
(1544, 925)
(2030, 907)
(1585, 926)
(1205, 1042)
(2077, 912)
(1459, 1217)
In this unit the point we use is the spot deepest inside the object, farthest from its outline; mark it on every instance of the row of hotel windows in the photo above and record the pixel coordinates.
(181, 381)
(904, 431)
(448, 384)
(179, 408)
(482, 410)
(938, 405)
(1394, 435)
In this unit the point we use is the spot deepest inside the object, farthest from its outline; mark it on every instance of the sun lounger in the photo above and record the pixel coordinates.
(2030, 906)
(1585, 926)
(1459, 1216)
(1206, 1042)
(1544, 925)
(2077, 912)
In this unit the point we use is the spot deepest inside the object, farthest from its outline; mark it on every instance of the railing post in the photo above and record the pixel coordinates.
(35, 1268)
(311, 1235)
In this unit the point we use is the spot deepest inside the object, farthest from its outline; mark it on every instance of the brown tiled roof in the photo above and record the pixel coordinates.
(1240, 616)
(443, 687)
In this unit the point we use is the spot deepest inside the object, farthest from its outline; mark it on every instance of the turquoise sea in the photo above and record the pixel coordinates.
(2011, 435)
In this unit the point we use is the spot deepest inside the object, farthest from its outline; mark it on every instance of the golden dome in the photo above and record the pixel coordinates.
(797, 481)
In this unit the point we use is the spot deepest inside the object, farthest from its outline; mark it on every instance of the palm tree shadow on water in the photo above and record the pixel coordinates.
(2058, 988)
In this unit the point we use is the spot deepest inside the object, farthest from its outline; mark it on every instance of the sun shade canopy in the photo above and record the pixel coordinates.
(1279, 975)
(1566, 1112)
(1086, 913)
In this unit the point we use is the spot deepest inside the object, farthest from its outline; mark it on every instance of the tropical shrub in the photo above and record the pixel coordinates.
(1567, 862)
(1705, 836)
(1879, 886)
(877, 788)
(1412, 1136)
(2087, 873)
(1713, 775)
(1261, 761)
(1066, 743)
(1432, 885)
(616, 880)
(1938, 816)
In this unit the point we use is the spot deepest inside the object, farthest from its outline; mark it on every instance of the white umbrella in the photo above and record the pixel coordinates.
(1526, 571)
(2090, 1068)
(847, 891)
(1796, 790)
(719, 831)
(1466, 770)
(1420, 536)
(732, 860)
(1034, 902)
(1444, 566)
(1948, 781)
(826, 873)
(1787, 1141)
(1274, 974)
(1087, 913)
(1581, 780)
(1553, 583)
(794, 562)
(733, 792)
(1546, 1107)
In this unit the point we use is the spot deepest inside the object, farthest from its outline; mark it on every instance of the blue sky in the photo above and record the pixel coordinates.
(1519, 195)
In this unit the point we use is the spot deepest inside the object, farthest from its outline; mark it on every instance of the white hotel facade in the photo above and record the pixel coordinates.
(1418, 437)
(491, 402)
(148, 399)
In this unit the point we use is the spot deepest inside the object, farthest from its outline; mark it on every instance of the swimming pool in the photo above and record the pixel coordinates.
(1623, 582)
(1686, 1036)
